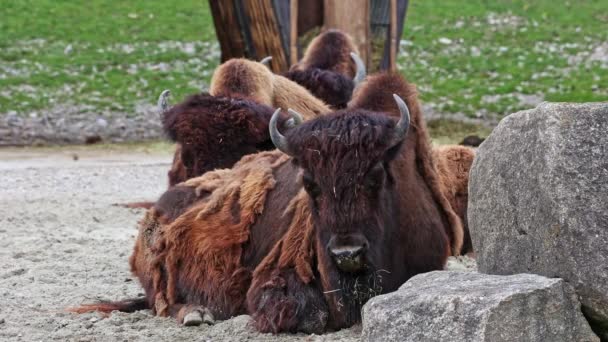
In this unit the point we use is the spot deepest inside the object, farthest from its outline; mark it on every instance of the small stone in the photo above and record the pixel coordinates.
(101, 122)
(445, 41)
(2, 320)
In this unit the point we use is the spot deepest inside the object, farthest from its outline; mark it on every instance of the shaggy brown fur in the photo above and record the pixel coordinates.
(347, 158)
(252, 229)
(170, 252)
(330, 51)
(371, 94)
(216, 131)
(327, 70)
(333, 88)
(253, 80)
(453, 165)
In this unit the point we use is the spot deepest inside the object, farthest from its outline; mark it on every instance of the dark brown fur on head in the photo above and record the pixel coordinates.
(333, 88)
(330, 51)
(215, 132)
(327, 69)
(361, 182)
(375, 94)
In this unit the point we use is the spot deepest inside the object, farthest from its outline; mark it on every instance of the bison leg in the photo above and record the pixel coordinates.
(283, 302)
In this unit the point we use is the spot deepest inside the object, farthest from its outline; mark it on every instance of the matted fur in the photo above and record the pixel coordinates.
(453, 165)
(295, 249)
(197, 257)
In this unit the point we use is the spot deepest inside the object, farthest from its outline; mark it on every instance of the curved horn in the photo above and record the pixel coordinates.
(266, 60)
(361, 73)
(277, 138)
(296, 118)
(163, 103)
(403, 125)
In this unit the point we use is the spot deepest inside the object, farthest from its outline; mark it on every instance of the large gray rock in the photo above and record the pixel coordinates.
(538, 200)
(466, 306)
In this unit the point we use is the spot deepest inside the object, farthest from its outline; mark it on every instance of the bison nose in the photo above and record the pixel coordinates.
(349, 257)
(346, 251)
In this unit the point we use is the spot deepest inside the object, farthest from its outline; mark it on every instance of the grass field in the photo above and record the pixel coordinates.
(478, 58)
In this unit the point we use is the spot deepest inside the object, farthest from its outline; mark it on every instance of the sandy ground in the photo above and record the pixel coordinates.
(63, 242)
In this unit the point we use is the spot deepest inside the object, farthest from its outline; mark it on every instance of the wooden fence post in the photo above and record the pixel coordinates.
(352, 17)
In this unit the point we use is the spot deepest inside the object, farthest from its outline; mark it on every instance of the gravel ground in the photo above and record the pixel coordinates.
(63, 242)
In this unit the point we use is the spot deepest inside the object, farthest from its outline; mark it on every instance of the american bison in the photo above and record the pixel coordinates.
(253, 80)
(453, 164)
(351, 209)
(327, 70)
(215, 130)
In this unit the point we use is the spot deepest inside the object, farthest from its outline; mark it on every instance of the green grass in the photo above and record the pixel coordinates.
(448, 132)
(529, 54)
(114, 55)
(108, 40)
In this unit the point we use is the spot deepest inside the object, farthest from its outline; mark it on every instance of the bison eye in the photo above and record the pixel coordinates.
(311, 186)
(374, 179)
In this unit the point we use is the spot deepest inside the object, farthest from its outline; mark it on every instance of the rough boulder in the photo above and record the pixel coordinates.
(466, 306)
(538, 200)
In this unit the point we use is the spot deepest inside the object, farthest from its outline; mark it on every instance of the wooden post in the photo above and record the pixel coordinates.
(393, 37)
(264, 27)
(352, 17)
(293, 32)
(227, 29)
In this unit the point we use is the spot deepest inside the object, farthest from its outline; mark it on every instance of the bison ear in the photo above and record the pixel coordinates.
(170, 122)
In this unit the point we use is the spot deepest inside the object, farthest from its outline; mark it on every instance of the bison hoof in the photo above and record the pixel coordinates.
(193, 319)
(208, 317)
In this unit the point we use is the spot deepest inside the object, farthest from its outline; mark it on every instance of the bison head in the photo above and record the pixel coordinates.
(214, 132)
(345, 158)
(333, 87)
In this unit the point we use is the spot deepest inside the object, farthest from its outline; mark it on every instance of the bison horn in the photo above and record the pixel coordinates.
(403, 125)
(277, 138)
(266, 60)
(361, 73)
(163, 104)
(296, 118)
